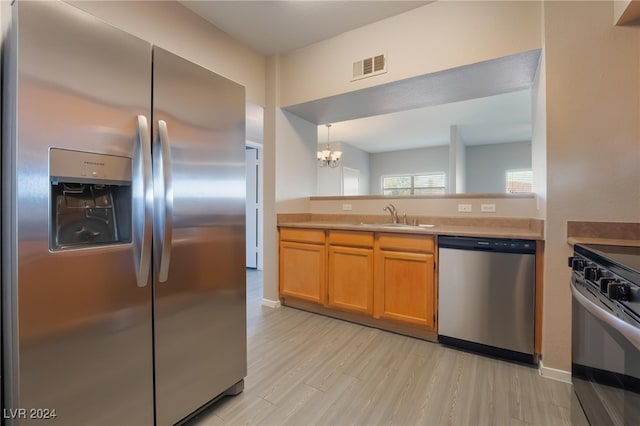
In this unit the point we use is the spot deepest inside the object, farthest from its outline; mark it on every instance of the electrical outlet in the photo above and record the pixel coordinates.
(347, 207)
(466, 208)
(488, 208)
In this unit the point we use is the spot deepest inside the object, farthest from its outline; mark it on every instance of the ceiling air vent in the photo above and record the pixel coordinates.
(369, 67)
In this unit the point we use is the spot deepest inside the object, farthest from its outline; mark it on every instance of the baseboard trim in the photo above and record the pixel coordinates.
(408, 329)
(271, 303)
(552, 373)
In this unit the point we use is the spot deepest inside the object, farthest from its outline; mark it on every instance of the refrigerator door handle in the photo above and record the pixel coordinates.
(163, 187)
(142, 202)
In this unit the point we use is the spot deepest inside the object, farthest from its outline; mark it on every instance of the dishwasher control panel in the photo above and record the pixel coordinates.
(488, 244)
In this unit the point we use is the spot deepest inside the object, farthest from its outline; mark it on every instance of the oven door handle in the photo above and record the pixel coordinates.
(627, 330)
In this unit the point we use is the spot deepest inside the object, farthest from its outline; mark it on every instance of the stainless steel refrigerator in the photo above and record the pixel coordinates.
(123, 184)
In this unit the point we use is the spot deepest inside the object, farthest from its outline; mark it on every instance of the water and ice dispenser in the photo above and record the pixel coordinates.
(90, 199)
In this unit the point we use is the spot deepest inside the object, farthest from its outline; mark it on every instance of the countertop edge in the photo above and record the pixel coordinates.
(465, 231)
(603, 241)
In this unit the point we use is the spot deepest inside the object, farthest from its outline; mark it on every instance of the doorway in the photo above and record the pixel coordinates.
(253, 158)
(350, 181)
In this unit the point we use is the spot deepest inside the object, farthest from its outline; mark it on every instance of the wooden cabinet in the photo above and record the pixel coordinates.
(302, 264)
(405, 279)
(382, 279)
(351, 271)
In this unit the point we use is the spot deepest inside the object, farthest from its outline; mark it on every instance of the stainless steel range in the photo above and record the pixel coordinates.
(605, 285)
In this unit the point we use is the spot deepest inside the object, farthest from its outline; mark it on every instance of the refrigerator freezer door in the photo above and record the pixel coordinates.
(79, 325)
(200, 326)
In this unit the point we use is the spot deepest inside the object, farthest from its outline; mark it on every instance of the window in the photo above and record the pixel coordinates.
(422, 184)
(519, 181)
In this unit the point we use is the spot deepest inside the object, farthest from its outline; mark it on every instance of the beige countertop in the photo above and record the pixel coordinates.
(605, 233)
(603, 241)
(439, 229)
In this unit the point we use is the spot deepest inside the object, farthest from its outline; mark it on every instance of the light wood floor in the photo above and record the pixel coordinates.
(307, 369)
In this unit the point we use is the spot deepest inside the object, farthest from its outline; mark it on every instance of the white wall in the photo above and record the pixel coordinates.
(409, 161)
(358, 159)
(296, 147)
(487, 165)
(330, 180)
(435, 37)
(457, 162)
(173, 27)
(539, 136)
(593, 143)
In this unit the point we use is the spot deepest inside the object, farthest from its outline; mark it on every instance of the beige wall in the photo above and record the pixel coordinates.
(173, 27)
(512, 207)
(432, 38)
(593, 143)
(270, 239)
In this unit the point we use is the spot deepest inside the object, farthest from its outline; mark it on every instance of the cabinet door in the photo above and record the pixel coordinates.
(351, 278)
(404, 289)
(302, 271)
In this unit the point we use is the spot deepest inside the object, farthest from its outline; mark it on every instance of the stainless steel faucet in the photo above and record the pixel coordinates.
(394, 213)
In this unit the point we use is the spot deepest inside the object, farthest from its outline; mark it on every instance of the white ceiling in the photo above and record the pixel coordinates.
(493, 119)
(272, 27)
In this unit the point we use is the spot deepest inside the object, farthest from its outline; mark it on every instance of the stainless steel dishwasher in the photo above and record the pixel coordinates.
(486, 295)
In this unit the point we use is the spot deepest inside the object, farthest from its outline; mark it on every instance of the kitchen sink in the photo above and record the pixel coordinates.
(397, 225)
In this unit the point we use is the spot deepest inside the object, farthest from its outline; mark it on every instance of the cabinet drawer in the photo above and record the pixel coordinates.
(418, 243)
(351, 238)
(313, 236)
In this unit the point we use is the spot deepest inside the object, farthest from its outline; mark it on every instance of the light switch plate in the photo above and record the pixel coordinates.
(466, 208)
(347, 207)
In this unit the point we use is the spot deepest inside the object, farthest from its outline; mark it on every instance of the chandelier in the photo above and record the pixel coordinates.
(328, 157)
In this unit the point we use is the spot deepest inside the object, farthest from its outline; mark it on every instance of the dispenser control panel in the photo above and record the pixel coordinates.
(87, 167)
